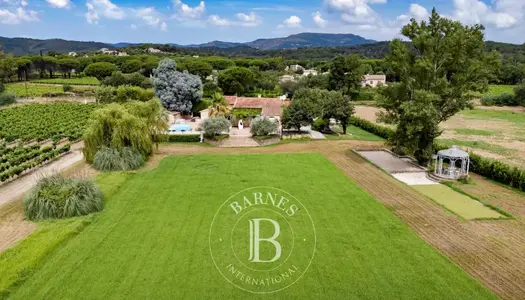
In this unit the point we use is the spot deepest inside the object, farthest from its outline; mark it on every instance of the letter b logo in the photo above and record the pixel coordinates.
(255, 240)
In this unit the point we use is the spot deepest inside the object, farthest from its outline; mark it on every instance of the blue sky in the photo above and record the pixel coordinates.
(195, 21)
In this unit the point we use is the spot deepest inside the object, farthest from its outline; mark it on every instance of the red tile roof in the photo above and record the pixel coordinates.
(270, 106)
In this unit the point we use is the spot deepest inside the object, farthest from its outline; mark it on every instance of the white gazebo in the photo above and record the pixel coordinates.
(451, 163)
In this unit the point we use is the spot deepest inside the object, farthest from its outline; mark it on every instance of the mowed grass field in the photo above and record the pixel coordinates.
(39, 90)
(71, 81)
(151, 240)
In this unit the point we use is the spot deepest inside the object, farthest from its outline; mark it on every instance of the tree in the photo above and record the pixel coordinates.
(155, 115)
(297, 115)
(50, 63)
(215, 126)
(336, 106)
(67, 65)
(346, 73)
(263, 126)
(448, 62)
(131, 66)
(236, 80)
(199, 68)
(8, 67)
(176, 91)
(115, 127)
(219, 105)
(23, 68)
(149, 64)
(100, 70)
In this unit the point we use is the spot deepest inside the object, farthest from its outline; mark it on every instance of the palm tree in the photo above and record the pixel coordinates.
(219, 105)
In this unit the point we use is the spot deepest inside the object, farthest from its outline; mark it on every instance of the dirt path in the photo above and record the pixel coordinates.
(490, 251)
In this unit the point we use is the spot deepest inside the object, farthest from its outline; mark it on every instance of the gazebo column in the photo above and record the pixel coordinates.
(468, 164)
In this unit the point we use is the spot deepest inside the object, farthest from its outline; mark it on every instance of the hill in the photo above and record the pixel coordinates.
(23, 46)
(306, 39)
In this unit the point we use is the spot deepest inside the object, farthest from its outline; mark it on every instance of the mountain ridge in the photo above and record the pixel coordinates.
(22, 46)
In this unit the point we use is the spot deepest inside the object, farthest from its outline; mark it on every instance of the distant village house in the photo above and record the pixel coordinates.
(373, 80)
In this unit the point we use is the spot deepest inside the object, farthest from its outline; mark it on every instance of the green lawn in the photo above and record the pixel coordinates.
(459, 204)
(354, 133)
(496, 90)
(151, 240)
(518, 118)
(35, 90)
(70, 81)
(468, 131)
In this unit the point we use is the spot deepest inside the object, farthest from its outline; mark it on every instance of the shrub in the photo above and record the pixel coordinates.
(318, 124)
(105, 94)
(111, 159)
(366, 94)
(215, 125)
(116, 79)
(378, 130)
(2, 87)
(67, 88)
(184, 138)
(500, 100)
(263, 126)
(520, 94)
(59, 197)
(127, 93)
(6, 99)
(136, 79)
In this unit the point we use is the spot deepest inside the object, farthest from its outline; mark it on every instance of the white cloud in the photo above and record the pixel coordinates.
(319, 21)
(133, 26)
(218, 21)
(415, 11)
(17, 16)
(355, 11)
(186, 12)
(103, 8)
(163, 26)
(59, 3)
(503, 14)
(248, 20)
(91, 14)
(291, 22)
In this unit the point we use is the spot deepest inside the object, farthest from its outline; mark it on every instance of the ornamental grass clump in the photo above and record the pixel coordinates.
(57, 197)
(110, 159)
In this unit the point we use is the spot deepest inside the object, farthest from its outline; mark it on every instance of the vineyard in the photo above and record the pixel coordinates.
(15, 160)
(40, 122)
(24, 129)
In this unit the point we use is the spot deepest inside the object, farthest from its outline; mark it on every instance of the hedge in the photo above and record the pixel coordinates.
(184, 138)
(486, 167)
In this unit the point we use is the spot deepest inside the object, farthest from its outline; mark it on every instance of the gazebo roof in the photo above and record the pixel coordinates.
(453, 152)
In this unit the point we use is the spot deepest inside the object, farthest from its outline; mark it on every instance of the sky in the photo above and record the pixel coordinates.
(196, 21)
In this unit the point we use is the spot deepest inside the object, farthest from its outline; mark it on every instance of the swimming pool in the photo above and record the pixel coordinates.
(179, 128)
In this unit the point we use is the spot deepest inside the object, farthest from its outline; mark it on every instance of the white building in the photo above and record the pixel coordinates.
(373, 80)
(310, 71)
(294, 68)
(72, 54)
(153, 50)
